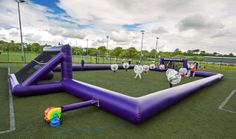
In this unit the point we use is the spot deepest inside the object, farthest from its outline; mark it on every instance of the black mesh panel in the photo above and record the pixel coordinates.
(34, 65)
(173, 65)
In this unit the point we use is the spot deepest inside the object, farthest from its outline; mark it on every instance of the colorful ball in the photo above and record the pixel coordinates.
(52, 112)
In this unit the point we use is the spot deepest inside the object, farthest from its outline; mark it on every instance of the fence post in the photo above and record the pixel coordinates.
(8, 58)
(82, 57)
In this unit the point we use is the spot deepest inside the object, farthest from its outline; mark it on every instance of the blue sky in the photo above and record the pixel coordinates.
(183, 24)
(51, 4)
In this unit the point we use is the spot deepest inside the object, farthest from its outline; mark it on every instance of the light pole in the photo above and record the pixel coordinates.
(21, 36)
(142, 31)
(107, 45)
(87, 46)
(156, 49)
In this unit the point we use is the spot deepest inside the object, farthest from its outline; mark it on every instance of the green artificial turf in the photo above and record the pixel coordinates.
(4, 100)
(231, 105)
(196, 116)
(124, 82)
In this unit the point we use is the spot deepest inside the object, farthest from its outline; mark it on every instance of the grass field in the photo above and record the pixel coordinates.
(197, 116)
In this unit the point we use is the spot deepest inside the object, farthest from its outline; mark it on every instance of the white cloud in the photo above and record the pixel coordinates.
(199, 22)
(120, 36)
(221, 33)
(184, 24)
(160, 30)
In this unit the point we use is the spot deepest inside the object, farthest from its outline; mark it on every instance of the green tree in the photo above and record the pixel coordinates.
(231, 54)
(117, 51)
(189, 52)
(77, 51)
(35, 47)
(145, 53)
(153, 53)
(131, 52)
(177, 52)
(196, 51)
(215, 53)
(202, 53)
(93, 51)
(102, 50)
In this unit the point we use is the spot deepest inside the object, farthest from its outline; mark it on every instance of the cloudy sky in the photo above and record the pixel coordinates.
(208, 25)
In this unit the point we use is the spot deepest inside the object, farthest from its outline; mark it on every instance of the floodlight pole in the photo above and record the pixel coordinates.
(87, 46)
(156, 49)
(142, 31)
(107, 45)
(21, 36)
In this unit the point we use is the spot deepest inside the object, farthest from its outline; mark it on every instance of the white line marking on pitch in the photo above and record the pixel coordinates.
(221, 107)
(232, 78)
(11, 112)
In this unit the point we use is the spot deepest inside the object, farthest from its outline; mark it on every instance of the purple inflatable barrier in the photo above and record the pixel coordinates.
(74, 106)
(135, 109)
(130, 108)
(92, 67)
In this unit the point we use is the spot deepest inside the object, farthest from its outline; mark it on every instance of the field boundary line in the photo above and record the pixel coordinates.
(232, 78)
(11, 111)
(221, 107)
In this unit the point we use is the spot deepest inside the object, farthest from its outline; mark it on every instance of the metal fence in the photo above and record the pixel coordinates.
(16, 57)
(222, 63)
(220, 60)
(104, 59)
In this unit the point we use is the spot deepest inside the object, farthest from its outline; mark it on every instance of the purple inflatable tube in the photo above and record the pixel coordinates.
(132, 109)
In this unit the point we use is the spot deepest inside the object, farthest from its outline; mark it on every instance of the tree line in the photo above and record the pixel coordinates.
(131, 52)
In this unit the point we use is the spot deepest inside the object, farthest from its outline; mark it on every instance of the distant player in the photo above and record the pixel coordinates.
(192, 70)
(82, 64)
(138, 69)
